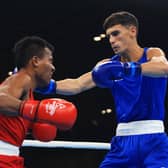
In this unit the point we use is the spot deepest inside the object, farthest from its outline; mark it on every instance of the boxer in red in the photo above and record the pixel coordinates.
(18, 110)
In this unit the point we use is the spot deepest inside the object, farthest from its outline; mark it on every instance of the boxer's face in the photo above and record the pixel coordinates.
(45, 68)
(121, 37)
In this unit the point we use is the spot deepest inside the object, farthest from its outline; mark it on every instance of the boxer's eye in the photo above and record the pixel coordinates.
(114, 33)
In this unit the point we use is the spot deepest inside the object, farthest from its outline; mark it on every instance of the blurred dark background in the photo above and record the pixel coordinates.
(70, 26)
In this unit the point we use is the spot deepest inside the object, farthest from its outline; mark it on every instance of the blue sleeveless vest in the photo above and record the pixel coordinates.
(140, 98)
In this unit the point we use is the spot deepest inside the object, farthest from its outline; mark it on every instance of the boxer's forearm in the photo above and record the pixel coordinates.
(75, 86)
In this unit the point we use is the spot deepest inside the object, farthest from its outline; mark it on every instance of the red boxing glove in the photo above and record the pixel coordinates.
(59, 112)
(44, 132)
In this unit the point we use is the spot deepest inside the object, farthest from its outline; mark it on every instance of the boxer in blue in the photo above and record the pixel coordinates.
(137, 79)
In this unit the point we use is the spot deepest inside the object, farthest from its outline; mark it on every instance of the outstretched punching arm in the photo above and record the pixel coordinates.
(68, 86)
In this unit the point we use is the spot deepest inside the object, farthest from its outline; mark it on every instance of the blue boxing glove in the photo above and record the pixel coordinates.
(104, 74)
(50, 89)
